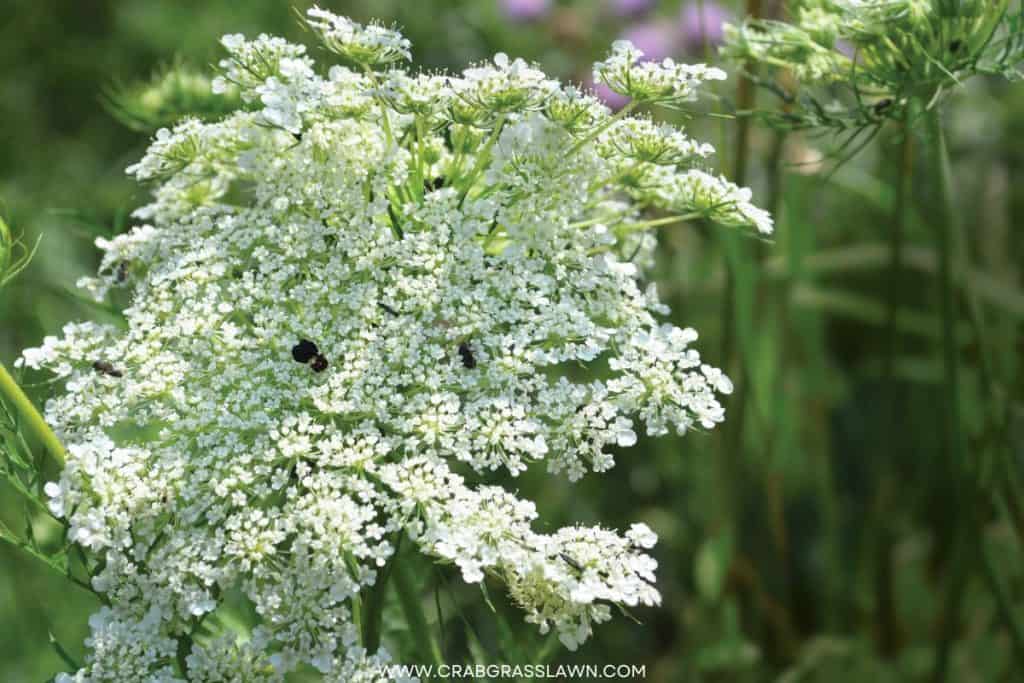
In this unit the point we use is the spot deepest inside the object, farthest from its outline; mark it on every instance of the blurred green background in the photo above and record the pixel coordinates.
(810, 539)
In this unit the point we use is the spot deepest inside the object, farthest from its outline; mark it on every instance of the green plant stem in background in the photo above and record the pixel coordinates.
(885, 595)
(746, 95)
(939, 210)
(1010, 486)
(705, 43)
(30, 418)
(736, 307)
(372, 613)
(735, 264)
(904, 184)
(412, 608)
(771, 406)
(1003, 601)
(967, 532)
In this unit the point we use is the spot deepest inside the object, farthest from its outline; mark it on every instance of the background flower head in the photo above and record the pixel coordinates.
(700, 25)
(525, 10)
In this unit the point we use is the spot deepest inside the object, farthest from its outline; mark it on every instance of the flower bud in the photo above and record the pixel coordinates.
(169, 96)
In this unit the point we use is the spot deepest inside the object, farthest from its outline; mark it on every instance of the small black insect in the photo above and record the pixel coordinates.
(319, 363)
(571, 562)
(122, 272)
(434, 184)
(304, 351)
(307, 352)
(882, 105)
(387, 308)
(105, 368)
(468, 359)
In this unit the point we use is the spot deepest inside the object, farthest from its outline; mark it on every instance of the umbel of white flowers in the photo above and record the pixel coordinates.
(887, 51)
(349, 299)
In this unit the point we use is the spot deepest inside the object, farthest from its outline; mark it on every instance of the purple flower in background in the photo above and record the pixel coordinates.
(657, 39)
(702, 24)
(525, 10)
(630, 8)
(612, 99)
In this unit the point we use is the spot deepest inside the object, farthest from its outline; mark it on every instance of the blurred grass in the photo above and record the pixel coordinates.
(809, 543)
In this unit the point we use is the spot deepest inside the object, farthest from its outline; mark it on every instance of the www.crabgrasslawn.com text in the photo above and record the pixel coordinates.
(585, 672)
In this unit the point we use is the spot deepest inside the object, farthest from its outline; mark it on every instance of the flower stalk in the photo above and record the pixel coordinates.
(412, 608)
(968, 546)
(888, 635)
(30, 417)
(372, 612)
(938, 207)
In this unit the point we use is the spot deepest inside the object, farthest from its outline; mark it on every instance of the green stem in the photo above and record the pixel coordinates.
(482, 158)
(771, 414)
(944, 224)
(30, 417)
(385, 119)
(1012, 499)
(416, 620)
(705, 44)
(896, 238)
(1003, 602)
(372, 612)
(182, 651)
(592, 135)
(885, 595)
(733, 475)
(745, 99)
(938, 207)
(8, 536)
(657, 222)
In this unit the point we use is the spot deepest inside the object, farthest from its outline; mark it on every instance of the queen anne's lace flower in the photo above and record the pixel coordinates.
(642, 140)
(348, 302)
(886, 50)
(664, 82)
(370, 45)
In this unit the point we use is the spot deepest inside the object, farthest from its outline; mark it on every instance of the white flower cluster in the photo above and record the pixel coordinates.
(567, 579)
(809, 46)
(367, 45)
(645, 141)
(664, 82)
(886, 49)
(880, 10)
(713, 196)
(346, 308)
